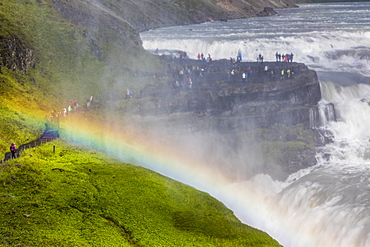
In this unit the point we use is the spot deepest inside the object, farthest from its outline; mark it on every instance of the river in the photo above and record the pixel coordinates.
(329, 204)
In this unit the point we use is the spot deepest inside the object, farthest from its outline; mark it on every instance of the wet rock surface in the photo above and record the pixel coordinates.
(267, 111)
(15, 54)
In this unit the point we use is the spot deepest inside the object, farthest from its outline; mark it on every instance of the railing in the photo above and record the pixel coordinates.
(49, 135)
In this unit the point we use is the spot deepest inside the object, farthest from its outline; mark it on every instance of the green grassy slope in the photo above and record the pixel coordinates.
(21, 110)
(88, 54)
(77, 197)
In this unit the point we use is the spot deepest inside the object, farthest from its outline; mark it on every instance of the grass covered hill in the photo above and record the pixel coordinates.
(78, 197)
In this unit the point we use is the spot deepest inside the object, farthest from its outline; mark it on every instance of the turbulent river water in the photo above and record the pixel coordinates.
(329, 204)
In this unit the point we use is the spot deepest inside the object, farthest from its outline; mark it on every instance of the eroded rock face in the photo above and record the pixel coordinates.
(16, 55)
(265, 97)
(267, 113)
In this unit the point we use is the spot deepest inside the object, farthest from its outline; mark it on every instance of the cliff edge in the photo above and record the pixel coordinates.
(268, 113)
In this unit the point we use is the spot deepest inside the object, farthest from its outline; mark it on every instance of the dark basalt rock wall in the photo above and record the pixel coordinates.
(15, 54)
(266, 113)
(263, 98)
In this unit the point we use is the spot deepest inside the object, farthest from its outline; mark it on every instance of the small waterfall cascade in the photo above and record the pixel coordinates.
(326, 112)
(313, 118)
(322, 115)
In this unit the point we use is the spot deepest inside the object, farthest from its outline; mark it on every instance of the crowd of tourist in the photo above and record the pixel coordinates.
(72, 107)
(238, 71)
(195, 72)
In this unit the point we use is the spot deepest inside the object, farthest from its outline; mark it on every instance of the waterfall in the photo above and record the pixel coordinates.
(313, 118)
(326, 113)
(328, 205)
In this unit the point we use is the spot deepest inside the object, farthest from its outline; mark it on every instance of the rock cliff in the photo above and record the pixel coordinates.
(15, 54)
(267, 112)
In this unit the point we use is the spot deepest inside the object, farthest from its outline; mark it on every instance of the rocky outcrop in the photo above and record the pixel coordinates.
(265, 96)
(266, 112)
(15, 54)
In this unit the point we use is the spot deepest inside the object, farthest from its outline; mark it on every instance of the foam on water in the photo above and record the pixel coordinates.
(312, 33)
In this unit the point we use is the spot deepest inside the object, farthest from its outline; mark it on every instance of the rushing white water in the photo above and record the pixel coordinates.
(325, 205)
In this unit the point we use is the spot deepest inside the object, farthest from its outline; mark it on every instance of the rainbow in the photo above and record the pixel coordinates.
(128, 146)
(251, 203)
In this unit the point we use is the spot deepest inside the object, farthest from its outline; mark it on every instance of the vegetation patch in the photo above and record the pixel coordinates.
(79, 197)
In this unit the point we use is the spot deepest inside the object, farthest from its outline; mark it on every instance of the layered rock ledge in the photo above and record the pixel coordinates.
(267, 111)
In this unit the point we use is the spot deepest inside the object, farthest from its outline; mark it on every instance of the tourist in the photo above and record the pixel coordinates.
(287, 57)
(53, 116)
(76, 106)
(70, 109)
(209, 59)
(232, 73)
(250, 72)
(239, 57)
(201, 72)
(272, 75)
(276, 72)
(13, 150)
(260, 58)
